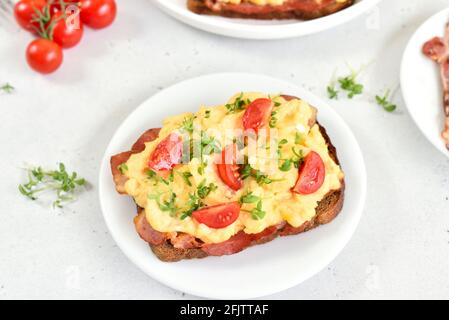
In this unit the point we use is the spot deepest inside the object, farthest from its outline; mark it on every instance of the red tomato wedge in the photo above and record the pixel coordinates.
(218, 217)
(311, 174)
(167, 154)
(228, 170)
(257, 114)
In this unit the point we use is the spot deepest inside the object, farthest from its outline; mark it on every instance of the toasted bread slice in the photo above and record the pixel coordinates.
(327, 210)
(308, 11)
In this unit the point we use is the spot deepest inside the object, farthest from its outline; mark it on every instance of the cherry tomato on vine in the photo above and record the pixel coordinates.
(65, 33)
(25, 12)
(98, 14)
(44, 56)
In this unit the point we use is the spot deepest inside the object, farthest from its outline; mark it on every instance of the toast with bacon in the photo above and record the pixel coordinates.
(283, 9)
(172, 248)
(176, 246)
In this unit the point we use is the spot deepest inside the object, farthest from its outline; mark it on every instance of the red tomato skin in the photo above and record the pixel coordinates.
(311, 174)
(44, 56)
(65, 34)
(54, 8)
(257, 114)
(167, 154)
(24, 13)
(218, 217)
(98, 14)
(228, 169)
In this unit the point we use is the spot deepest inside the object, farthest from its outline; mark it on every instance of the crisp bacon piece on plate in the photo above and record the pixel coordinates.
(437, 49)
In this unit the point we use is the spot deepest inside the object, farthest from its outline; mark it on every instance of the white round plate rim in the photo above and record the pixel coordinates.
(276, 30)
(411, 53)
(344, 225)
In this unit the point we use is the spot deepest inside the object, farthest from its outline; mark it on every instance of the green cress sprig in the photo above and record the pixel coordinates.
(348, 83)
(7, 88)
(385, 103)
(64, 184)
(238, 104)
(195, 201)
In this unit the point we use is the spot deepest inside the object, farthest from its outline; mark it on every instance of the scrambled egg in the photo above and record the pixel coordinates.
(292, 121)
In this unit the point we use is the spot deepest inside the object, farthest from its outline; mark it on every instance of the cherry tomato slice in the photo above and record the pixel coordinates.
(65, 33)
(24, 12)
(44, 56)
(257, 114)
(167, 154)
(219, 216)
(311, 174)
(98, 14)
(228, 170)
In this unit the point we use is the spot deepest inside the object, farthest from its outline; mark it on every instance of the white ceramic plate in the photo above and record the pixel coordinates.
(421, 84)
(257, 29)
(258, 271)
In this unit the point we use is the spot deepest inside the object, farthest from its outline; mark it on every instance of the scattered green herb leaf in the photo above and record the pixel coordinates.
(205, 189)
(123, 168)
(202, 166)
(166, 205)
(249, 198)
(195, 199)
(273, 119)
(332, 92)
(257, 213)
(186, 176)
(187, 125)
(7, 88)
(298, 138)
(194, 203)
(385, 103)
(238, 105)
(286, 165)
(350, 85)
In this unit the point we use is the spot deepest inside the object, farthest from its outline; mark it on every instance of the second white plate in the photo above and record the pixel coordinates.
(421, 83)
(257, 271)
(258, 29)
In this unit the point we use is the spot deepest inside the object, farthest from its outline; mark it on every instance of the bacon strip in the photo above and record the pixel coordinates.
(147, 136)
(184, 241)
(119, 178)
(235, 244)
(437, 49)
(146, 232)
(241, 241)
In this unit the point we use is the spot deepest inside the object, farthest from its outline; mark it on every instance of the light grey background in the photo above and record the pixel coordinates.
(401, 248)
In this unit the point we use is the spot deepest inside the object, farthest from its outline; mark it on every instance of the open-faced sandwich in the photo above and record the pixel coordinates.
(231, 176)
(269, 9)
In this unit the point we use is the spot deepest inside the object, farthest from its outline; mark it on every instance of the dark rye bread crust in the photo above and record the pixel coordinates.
(199, 7)
(327, 210)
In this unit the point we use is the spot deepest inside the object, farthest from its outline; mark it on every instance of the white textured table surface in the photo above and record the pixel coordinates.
(401, 248)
